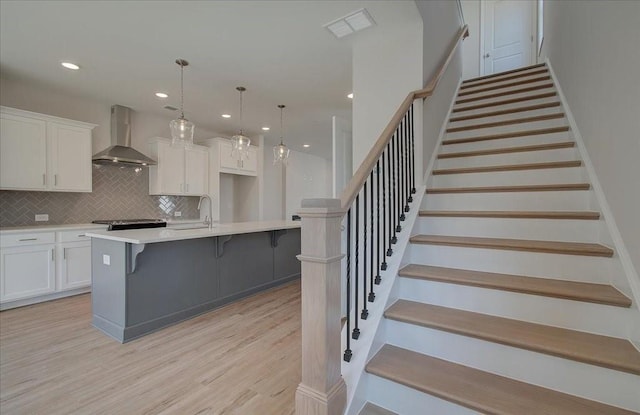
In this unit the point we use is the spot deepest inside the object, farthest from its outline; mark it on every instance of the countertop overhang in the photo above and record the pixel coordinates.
(145, 236)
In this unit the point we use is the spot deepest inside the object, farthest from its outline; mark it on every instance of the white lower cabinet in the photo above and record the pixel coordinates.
(38, 266)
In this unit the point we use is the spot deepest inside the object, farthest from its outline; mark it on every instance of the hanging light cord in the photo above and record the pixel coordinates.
(281, 125)
(181, 90)
(241, 112)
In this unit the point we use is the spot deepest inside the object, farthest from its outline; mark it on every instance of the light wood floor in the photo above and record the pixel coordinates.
(241, 359)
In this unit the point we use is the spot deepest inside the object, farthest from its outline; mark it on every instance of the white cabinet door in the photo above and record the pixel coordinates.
(250, 165)
(70, 157)
(74, 265)
(26, 271)
(170, 169)
(229, 164)
(23, 153)
(196, 171)
(226, 159)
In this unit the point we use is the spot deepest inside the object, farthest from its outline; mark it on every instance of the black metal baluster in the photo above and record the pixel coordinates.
(396, 176)
(371, 296)
(356, 331)
(413, 167)
(407, 164)
(347, 352)
(411, 161)
(384, 215)
(394, 190)
(401, 170)
(365, 312)
(380, 253)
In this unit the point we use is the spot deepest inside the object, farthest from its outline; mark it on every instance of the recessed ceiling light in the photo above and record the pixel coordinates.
(306, 145)
(161, 95)
(265, 128)
(350, 96)
(70, 65)
(226, 116)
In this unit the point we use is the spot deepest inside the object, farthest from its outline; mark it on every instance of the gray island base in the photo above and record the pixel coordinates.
(139, 288)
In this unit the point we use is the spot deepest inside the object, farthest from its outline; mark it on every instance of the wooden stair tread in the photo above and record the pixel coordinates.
(519, 149)
(507, 122)
(502, 189)
(504, 93)
(495, 75)
(550, 247)
(507, 101)
(467, 91)
(512, 214)
(570, 290)
(504, 78)
(371, 409)
(510, 167)
(594, 349)
(478, 390)
(513, 134)
(507, 111)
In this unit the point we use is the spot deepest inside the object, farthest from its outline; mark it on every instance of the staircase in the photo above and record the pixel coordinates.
(506, 305)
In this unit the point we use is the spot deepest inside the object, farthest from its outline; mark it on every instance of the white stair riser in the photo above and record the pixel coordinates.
(500, 99)
(503, 129)
(588, 381)
(559, 266)
(505, 106)
(528, 140)
(537, 229)
(552, 200)
(575, 315)
(407, 401)
(498, 80)
(505, 117)
(509, 178)
(525, 157)
(477, 92)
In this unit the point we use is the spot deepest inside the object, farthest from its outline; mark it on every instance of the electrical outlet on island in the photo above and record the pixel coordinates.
(177, 213)
(42, 217)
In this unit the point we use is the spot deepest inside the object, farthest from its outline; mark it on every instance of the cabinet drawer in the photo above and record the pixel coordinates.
(73, 236)
(31, 238)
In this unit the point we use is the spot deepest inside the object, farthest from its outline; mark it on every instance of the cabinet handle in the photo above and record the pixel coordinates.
(27, 239)
(181, 187)
(55, 179)
(64, 253)
(82, 235)
(53, 257)
(44, 179)
(187, 187)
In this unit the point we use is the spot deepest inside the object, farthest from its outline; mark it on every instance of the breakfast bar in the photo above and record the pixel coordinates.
(147, 279)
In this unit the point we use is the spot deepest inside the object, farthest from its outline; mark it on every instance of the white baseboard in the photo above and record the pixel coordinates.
(42, 298)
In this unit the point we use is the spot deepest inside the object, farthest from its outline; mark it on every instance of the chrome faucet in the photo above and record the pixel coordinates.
(208, 220)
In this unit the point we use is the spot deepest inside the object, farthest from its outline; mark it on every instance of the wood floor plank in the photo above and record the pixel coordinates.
(536, 118)
(504, 78)
(510, 167)
(478, 390)
(506, 101)
(504, 93)
(502, 189)
(519, 149)
(594, 349)
(513, 134)
(242, 358)
(469, 91)
(497, 75)
(507, 111)
(548, 287)
(550, 247)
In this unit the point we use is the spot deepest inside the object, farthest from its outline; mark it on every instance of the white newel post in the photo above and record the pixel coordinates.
(322, 390)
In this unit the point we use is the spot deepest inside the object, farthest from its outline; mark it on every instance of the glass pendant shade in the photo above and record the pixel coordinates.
(182, 129)
(240, 143)
(281, 151)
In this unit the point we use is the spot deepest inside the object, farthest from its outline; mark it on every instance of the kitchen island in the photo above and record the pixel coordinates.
(147, 279)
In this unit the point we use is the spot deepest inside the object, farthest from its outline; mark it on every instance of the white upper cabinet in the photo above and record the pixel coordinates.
(180, 171)
(229, 164)
(40, 152)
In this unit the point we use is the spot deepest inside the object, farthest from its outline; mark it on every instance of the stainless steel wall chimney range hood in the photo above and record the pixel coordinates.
(121, 150)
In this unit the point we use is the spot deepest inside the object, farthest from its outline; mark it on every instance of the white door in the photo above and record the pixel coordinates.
(342, 155)
(23, 153)
(508, 30)
(70, 157)
(196, 171)
(74, 270)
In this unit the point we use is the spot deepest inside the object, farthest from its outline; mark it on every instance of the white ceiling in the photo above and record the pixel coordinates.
(278, 50)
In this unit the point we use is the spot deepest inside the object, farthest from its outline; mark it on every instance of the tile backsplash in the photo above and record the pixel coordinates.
(118, 193)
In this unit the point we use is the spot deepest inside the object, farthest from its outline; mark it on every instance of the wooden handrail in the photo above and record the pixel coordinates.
(357, 181)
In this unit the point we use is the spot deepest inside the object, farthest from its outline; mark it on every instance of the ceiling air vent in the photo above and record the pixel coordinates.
(351, 23)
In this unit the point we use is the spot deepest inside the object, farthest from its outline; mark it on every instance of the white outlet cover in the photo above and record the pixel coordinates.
(42, 217)
(177, 213)
(106, 259)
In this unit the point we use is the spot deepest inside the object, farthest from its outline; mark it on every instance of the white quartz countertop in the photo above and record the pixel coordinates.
(51, 228)
(145, 236)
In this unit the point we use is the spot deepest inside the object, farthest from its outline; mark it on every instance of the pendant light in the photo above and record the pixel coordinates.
(181, 128)
(281, 151)
(240, 143)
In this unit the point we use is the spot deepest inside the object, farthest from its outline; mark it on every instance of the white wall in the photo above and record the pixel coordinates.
(387, 62)
(593, 48)
(273, 189)
(471, 47)
(307, 177)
